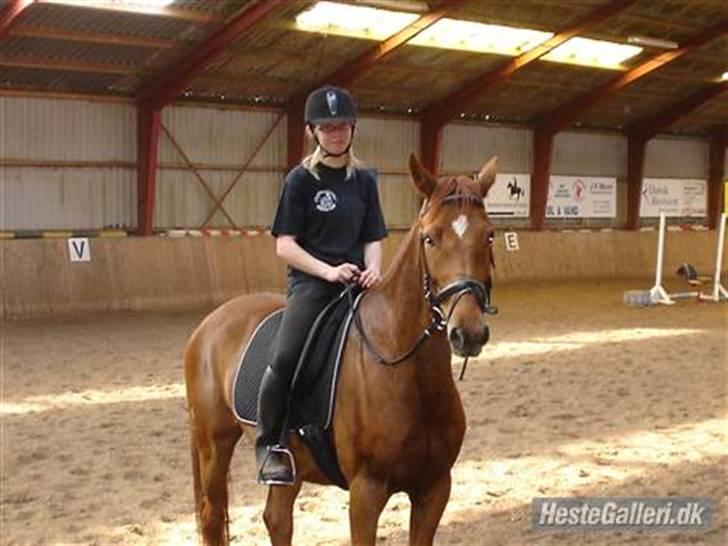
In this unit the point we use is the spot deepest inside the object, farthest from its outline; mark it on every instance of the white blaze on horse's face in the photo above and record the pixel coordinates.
(460, 225)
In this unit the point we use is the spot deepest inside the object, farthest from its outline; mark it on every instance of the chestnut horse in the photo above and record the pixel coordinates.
(398, 421)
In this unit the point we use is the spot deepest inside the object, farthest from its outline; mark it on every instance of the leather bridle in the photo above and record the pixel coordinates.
(434, 299)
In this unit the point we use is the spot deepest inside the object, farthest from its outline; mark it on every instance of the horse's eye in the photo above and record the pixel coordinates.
(491, 238)
(429, 241)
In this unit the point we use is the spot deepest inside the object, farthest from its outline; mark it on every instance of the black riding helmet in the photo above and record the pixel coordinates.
(329, 104)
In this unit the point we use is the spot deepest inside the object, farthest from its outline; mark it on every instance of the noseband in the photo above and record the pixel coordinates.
(434, 299)
(479, 290)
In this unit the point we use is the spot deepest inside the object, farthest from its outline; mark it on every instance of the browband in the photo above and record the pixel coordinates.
(471, 197)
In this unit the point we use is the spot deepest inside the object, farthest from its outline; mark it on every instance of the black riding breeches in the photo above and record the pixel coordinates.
(306, 299)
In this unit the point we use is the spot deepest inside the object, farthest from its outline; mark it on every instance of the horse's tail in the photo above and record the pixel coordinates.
(196, 478)
(190, 357)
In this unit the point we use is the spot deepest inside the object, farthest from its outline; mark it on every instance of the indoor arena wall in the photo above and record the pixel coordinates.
(157, 273)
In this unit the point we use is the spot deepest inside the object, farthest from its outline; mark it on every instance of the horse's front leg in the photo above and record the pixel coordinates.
(427, 508)
(278, 513)
(367, 497)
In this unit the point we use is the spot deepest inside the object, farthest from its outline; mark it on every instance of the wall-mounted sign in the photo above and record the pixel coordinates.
(674, 197)
(582, 197)
(79, 249)
(509, 195)
(511, 238)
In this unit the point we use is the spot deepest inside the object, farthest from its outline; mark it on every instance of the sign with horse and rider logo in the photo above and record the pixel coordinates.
(582, 197)
(509, 196)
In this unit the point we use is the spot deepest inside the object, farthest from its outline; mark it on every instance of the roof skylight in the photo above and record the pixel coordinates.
(588, 52)
(379, 24)
(479, 37)
(142, 6)
(357, 21)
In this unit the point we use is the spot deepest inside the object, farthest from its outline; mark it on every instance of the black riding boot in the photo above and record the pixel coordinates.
(273, 460)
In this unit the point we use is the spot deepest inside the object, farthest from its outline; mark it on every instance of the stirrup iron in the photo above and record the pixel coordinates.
(279, 450)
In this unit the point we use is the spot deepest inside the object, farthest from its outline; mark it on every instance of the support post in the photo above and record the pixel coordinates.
(431, 144)
(543, 145)
(296, 130)
(716, 174)
(149, 124)
(636, 146)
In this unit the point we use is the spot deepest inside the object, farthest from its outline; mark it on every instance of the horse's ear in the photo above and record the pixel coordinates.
(486, 176)
(423, 179)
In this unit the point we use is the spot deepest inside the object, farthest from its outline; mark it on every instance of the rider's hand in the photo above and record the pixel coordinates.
(345, 272)
(369, 277)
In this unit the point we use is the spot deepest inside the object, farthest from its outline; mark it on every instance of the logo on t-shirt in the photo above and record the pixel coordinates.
(325, 200)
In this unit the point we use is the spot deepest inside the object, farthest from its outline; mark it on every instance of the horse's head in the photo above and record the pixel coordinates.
(456, 241)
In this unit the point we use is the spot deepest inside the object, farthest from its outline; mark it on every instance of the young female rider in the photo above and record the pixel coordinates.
(328, 229)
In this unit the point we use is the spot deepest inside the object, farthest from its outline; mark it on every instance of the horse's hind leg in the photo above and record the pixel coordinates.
(427, 508)
(212, 450)
(278, 514)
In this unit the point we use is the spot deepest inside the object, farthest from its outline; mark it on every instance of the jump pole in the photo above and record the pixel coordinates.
(657, 293)
(719, 292)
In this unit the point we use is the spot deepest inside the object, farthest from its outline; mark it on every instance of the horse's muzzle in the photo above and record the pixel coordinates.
(464, 343)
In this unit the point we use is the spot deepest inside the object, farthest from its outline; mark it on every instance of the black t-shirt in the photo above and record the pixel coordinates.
(331, 218)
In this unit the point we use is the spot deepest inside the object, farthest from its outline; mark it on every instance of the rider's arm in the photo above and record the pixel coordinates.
(373, 263)
(291, 252)
(373, 256)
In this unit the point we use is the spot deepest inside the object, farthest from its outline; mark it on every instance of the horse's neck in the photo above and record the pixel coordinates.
(397, 309)
(402, 285)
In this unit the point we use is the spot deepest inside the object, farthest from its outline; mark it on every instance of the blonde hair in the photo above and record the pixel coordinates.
(311, 162)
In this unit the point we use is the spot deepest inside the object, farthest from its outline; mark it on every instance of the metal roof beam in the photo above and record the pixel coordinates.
(648, 127)
(561, 117)
(11, 13)
(445, 108)
(158, 93)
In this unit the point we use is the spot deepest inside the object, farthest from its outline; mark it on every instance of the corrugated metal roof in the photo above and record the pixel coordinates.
(58, 80)
(209, 6)
(63, 50)
(272, 62)
(66, 17)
